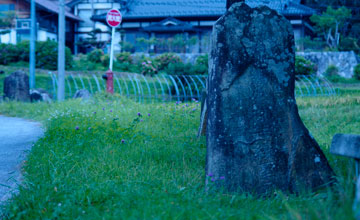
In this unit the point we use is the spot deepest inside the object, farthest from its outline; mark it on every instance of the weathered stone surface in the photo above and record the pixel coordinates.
(256, 141)
(203, 116)
(40, 95)
(347, 145)
(16, 87)
(82, 93)
(356, 205)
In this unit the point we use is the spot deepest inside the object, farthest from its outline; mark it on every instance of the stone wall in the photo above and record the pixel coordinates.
(344, 61)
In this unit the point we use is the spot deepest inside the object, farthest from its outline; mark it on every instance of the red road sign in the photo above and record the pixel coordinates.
(114, 18)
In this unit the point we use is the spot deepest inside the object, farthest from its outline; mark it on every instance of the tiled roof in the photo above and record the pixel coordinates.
(202, 8)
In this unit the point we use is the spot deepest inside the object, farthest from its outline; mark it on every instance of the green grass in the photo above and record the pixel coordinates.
(158, 172)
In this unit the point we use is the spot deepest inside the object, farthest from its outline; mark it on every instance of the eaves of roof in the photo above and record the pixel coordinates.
(54, 8)
(159, 9)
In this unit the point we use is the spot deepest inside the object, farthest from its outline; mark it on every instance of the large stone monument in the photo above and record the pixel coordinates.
(16, 87)
(256, 141)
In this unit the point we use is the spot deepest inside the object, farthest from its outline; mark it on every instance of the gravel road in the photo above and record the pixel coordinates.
(16, 138)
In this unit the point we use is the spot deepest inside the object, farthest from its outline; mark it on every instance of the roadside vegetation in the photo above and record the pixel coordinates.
(111, 158)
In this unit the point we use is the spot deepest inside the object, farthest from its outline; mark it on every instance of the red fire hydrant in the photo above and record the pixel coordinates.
(110, 82)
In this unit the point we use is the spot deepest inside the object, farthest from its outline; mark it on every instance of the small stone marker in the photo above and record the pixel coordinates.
(256, 140)
(39, 95)
(16, 87)
(348, 145)
(83, 94)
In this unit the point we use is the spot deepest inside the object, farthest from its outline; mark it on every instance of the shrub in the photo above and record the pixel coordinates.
(178, 69)
(82, 63)
(357, 72)
(105, 60)
(47, 55)
(24, 50)
(148, 67)
(127, 47)
(95, 56)
(202, 60)
(167, 58)
(124, 57)
(332, 71)
(303, 66)
(349, 44)
(9, 53)
(201, 65)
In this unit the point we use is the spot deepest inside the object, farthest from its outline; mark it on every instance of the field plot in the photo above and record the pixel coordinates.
(111, 158)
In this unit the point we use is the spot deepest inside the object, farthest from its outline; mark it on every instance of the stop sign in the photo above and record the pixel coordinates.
(114, 18)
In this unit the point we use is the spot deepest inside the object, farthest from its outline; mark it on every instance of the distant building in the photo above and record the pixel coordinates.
(164, 19)
(85, 9)
(47, 21)
(177, 25)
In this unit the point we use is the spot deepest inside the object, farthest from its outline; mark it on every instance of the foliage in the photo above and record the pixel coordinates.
(7, 20)
(179, 43)
(8, 54)
(357, 72)
(349, 44)
(81, 63)
(303, 66)
(332, 70)
(47, 55)
(201, 66)
(95, 55)
(165, 59)
(309, 44)
(178, 69)
(330, 23)
(127, 46)
(149, 67)
(92, 41)
(147, 43)
(99, 159)
(332, 74)
(124, 57)
(105, 60)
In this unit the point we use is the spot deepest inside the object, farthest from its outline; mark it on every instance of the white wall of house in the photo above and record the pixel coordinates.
(85, 10)
(44, 36)
(9, 38)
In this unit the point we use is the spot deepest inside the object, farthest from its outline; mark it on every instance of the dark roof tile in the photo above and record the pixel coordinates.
(189, 8)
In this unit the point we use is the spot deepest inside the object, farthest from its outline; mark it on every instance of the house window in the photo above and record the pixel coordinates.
(85, 15)
(7, 7)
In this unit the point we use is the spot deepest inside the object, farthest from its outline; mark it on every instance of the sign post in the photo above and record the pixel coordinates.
(113, 18)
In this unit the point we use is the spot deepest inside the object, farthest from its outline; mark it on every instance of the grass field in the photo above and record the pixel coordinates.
(100, 160)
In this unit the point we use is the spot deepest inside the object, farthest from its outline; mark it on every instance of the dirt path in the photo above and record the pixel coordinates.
(16, 138)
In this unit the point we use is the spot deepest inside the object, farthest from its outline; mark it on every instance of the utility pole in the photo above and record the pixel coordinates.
(61, 52)
(32, 45)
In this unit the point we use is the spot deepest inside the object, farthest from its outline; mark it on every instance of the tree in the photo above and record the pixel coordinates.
(330, 23)
(6, 21)
(92, 41)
